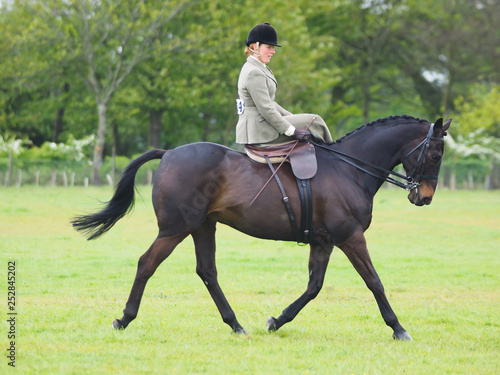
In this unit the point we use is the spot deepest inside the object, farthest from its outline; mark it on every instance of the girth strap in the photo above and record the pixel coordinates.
(305, 192)
(286, 200)
(304, 234)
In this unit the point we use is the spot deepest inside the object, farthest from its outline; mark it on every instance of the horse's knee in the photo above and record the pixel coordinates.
(144, 268)
(375, 285)
(208, 276)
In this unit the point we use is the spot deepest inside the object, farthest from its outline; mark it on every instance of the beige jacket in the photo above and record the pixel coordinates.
(261, 119)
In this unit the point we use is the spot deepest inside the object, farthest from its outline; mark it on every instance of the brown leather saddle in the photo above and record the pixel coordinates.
(302, 158)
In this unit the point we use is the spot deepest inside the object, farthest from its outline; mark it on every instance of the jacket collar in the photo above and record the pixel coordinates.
(263, 67)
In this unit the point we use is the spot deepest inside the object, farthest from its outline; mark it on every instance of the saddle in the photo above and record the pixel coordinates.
(302, 158)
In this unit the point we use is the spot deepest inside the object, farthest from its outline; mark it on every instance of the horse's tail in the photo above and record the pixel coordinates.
(95, 225)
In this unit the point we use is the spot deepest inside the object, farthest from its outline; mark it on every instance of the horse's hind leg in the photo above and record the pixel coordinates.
(357, 252)
(204, 241)
(318, 262)
(148, 263)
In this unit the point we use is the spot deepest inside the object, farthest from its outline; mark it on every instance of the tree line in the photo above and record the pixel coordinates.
(140, 74)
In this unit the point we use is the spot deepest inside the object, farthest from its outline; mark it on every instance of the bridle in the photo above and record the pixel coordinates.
(422, 157)
(413, 180)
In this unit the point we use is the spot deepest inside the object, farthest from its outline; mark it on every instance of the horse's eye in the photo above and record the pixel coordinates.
(436, 157)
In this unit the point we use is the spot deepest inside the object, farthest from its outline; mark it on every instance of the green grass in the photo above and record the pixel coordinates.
(439, 264)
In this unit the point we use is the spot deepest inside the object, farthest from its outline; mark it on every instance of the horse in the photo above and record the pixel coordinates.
(198, 185)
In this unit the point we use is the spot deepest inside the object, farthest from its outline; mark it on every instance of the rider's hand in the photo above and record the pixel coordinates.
(301, 135)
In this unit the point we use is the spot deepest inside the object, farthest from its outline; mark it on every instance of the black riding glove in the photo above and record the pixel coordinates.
(301, 135)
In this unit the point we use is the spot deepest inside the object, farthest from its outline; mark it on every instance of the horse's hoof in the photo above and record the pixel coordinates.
(404, 336)
(271, 324)
(241, 331)
(117, 324)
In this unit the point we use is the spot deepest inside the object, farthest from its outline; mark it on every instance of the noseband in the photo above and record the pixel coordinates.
(413, 180)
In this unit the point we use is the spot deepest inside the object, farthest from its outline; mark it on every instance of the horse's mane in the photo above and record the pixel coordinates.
(378, 122)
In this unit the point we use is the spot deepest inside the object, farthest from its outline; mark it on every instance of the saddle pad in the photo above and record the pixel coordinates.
(275, 153)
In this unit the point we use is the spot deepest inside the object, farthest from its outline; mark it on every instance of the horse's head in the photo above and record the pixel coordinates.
(422, 161)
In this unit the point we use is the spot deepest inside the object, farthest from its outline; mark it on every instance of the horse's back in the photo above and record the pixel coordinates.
(200, 152)
(187, 181)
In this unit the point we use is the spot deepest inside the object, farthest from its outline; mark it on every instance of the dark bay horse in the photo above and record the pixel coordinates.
(200, 184)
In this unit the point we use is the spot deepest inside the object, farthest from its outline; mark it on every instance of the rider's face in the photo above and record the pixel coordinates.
(266, 52)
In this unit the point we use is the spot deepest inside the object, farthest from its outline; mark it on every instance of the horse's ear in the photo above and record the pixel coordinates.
(447, 124)
(438, 128)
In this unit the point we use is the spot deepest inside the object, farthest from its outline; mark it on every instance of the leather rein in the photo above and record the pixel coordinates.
(413, 180)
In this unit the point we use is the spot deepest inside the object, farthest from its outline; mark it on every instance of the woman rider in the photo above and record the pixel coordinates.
(262, 121)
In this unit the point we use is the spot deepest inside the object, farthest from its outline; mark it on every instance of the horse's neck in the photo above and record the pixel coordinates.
(377, 145)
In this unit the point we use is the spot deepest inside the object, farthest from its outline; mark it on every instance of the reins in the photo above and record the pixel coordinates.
(345, 157)
(413, 180)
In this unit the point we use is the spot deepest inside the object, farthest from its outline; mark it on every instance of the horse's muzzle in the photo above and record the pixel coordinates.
(421, 195)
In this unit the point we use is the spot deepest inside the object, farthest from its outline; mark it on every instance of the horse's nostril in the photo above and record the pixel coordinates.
(427, 200)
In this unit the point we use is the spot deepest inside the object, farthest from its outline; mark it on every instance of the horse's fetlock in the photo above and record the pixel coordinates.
(128, 316)
(313, 294)
(230, 320)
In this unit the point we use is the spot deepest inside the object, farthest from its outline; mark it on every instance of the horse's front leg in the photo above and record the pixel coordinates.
(357, 252)
(318, 261)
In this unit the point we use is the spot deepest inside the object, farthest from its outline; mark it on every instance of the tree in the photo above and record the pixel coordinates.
(424, 52)
(170, 83)
(190, 93)
(37, 74)
(112, 40)
(363, 34)
(478, 129)
(448, 46)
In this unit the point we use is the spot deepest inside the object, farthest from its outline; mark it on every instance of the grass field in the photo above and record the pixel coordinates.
(440, 266)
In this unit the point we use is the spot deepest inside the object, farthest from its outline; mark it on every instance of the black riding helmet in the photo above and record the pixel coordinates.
(263, 33)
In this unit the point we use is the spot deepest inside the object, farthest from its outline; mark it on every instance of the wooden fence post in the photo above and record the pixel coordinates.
(8, 177)
(19, 177)
(110, 180)
(65, 179)
(53, 178)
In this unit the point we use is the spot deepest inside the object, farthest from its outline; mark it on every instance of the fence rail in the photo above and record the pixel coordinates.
(61, 178)
(19, 172)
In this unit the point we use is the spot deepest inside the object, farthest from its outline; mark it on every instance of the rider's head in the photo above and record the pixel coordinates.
(261, 41)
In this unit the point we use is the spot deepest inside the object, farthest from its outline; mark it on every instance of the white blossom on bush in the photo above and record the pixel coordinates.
(15, 145)
(72, 150)
(476, 143)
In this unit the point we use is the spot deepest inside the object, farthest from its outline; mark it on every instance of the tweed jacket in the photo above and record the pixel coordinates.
(262, 119)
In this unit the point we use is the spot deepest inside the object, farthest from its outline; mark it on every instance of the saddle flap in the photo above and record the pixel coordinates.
(303, 161)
